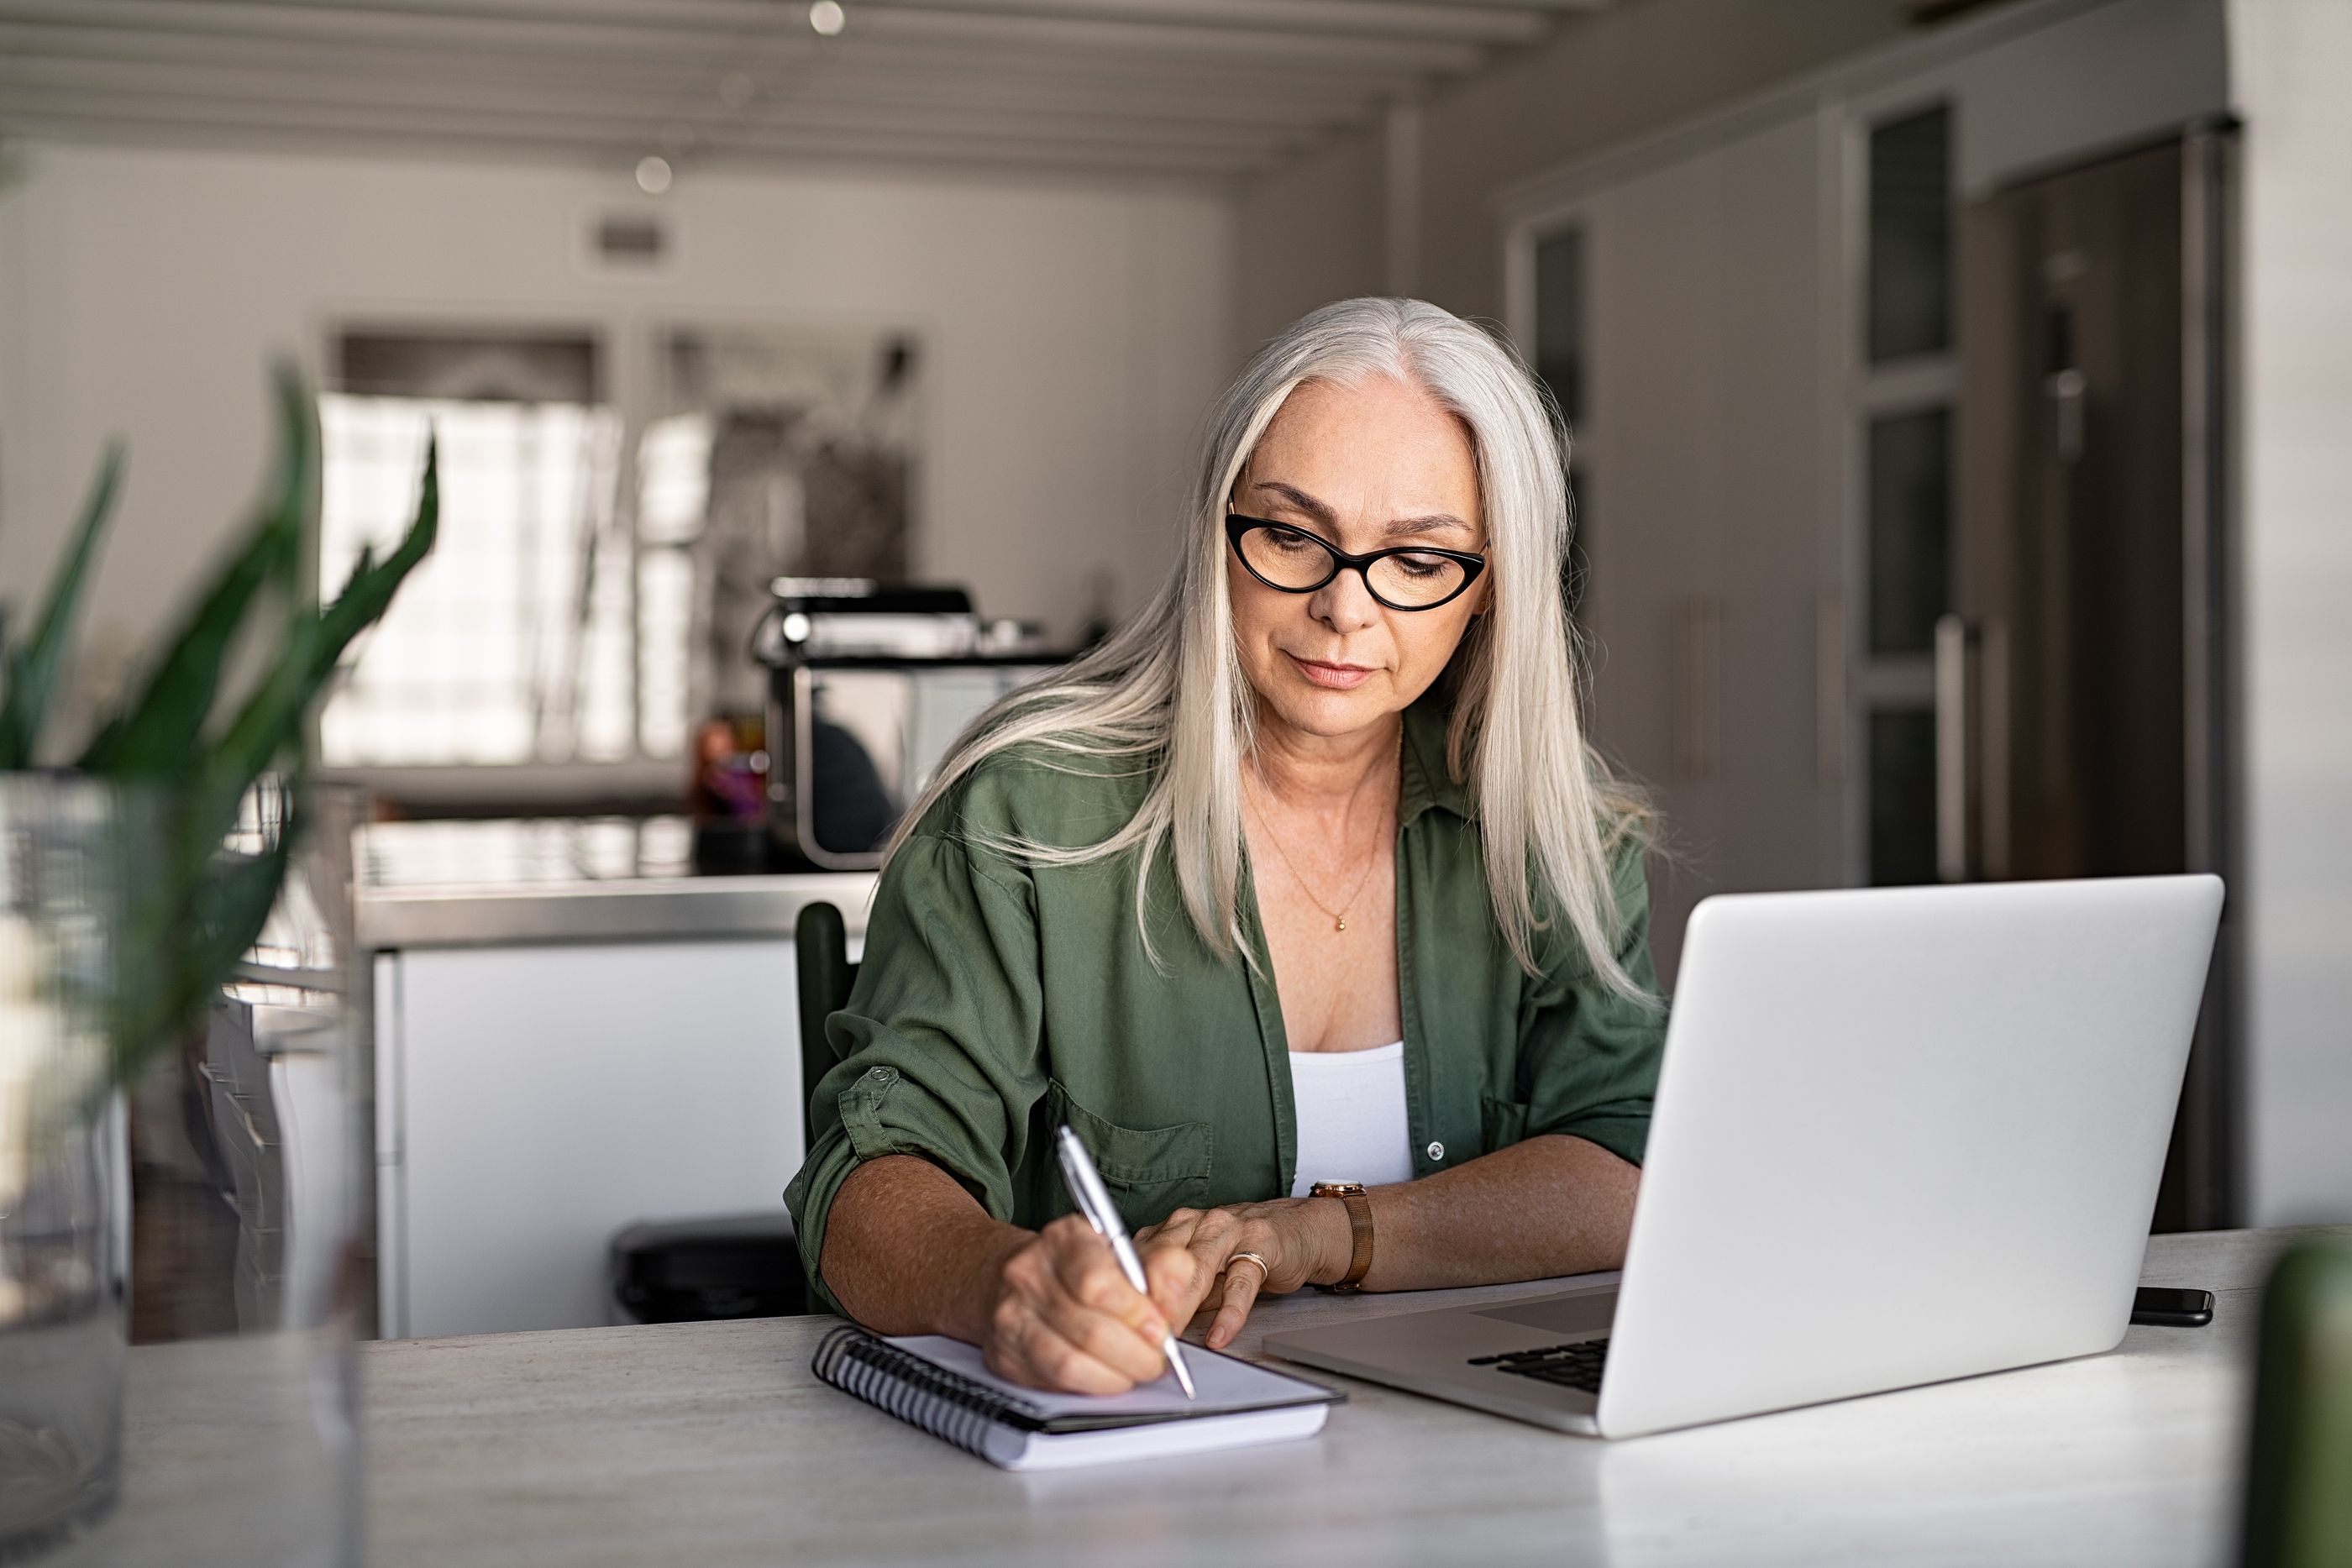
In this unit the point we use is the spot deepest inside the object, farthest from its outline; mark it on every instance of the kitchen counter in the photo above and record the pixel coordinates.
(591, 879)
(580, 963)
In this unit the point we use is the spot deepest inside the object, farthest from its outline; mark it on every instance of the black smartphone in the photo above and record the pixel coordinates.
(2174, 1309)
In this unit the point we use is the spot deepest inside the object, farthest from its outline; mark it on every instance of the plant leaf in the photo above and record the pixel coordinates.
(156, 734)
(268, 727)
(193, 928)
(33, 667)
(272, 723)
(367, 593)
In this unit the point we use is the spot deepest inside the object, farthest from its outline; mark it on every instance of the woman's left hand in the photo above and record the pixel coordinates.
(1189, 1258)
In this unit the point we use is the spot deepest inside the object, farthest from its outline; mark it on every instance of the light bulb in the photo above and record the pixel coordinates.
(827, 18)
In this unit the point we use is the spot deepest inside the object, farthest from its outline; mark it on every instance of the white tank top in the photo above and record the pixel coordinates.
(1351, 1120)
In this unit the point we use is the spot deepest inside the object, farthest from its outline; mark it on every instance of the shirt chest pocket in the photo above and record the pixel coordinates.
(1149, 1170)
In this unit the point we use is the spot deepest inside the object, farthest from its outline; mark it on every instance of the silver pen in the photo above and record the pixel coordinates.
(1093, 1199)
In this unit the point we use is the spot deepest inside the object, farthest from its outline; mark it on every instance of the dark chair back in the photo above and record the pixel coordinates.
(821, 948)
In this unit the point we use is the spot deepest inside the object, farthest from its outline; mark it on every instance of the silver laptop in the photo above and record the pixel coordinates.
(1901, 1136)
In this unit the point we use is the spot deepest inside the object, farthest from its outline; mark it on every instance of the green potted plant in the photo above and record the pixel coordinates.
(128, 898)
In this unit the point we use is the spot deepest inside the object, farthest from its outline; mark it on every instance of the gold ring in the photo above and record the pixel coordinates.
(1264, 1270)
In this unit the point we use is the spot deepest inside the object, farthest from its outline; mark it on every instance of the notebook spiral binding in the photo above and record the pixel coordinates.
(952, 1408)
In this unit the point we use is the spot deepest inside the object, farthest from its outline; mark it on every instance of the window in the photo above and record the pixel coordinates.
(502, 647)
(587, 602)
(1902, 419)
(1910, 288)
(1908, 496)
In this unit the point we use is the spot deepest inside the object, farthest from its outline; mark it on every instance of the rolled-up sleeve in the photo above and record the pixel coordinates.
(1588, 1057)
(939, 1044)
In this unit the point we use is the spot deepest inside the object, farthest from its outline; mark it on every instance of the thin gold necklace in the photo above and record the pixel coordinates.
(1340, 916)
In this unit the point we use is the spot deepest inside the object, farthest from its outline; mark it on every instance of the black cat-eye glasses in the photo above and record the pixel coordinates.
(1405, 576)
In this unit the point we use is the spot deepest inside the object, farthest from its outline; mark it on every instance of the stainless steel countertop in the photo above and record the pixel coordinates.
(463, 885)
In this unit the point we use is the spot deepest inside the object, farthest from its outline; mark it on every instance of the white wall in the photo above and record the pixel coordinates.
(1310, 233)
(2290, 65)
(1073, 334)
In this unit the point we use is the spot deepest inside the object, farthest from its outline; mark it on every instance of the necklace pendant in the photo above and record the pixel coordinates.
(1340, 923)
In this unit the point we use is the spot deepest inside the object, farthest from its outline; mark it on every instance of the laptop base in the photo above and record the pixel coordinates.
(1460, 1353)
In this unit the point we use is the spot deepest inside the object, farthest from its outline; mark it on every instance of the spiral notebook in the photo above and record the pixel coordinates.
(942, 1386)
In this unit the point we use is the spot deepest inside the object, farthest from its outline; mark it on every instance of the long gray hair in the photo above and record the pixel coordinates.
(1167, 690)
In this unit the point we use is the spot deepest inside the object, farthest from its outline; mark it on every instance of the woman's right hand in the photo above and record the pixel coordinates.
(1064, 1318)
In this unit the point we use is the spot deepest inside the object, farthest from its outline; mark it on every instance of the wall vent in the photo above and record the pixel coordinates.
(630, 239)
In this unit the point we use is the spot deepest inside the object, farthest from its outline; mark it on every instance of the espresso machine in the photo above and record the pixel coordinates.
(869, 686)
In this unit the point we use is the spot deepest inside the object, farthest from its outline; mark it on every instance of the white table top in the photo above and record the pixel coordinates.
(712, 1444)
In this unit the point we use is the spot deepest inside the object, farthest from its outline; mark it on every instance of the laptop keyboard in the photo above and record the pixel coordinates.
(1574, 1365)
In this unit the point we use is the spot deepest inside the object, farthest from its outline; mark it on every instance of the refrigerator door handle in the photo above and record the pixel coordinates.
(1953, 641)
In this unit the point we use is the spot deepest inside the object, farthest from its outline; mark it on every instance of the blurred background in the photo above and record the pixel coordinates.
(1959, 393)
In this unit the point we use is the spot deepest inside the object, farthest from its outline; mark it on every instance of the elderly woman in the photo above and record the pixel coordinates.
(1303, 899)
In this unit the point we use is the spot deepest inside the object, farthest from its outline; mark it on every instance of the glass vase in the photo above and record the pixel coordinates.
(226, 1170)
(64, 1175)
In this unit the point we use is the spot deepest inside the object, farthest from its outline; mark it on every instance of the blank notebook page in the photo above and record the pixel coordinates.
(1224, 1384)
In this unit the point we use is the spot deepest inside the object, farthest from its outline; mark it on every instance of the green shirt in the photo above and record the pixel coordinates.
(996, 1000)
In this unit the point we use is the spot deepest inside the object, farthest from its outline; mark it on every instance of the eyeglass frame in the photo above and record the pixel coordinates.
(1472, 562)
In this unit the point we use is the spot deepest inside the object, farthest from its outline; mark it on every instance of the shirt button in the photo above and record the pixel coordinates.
(1436, 1150)
(880, 1076)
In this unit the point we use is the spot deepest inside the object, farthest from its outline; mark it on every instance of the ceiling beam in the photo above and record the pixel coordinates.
(688, 92)
(700, 66)
(1556, 7)
(1088, 34)
(1248, 100)
(1461, 21)
(260, 21)
(359, 26)
(944, 161)
(32, 112)
(645, 121)
(687, 99)
(1472, 24)
(700, 71)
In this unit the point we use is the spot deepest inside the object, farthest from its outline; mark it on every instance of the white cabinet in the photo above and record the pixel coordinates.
(1711, 515)
(534, 1100)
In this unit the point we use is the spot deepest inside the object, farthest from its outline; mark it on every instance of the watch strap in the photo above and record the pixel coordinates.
(1360, 1231)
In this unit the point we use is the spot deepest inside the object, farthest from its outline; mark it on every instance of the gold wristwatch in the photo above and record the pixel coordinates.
(1360, 1231)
